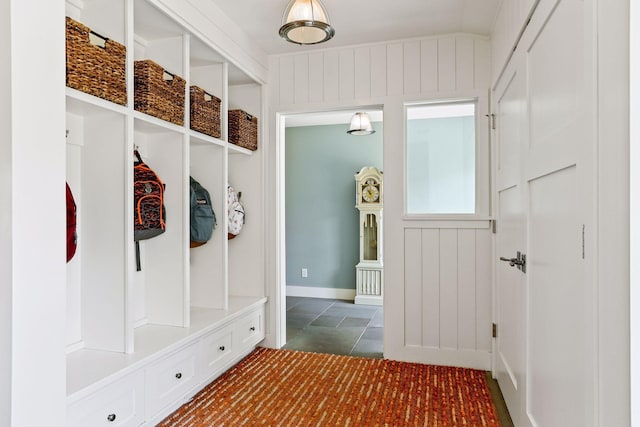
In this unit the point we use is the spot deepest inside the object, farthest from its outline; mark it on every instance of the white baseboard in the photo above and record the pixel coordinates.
(313, 292)
(368, 300)
(472, 359)
(140, 322)
(74, 346)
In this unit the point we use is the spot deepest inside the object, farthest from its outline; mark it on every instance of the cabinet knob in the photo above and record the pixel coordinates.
(111, 417)
(221, 348)
(179, 375)
(253, 328)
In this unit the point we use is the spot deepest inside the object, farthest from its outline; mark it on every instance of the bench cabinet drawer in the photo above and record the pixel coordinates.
(250, 329)
(170, 379)
(217, 349)
(118, 404)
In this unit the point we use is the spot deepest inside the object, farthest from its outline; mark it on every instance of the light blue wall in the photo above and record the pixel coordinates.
(321, 218)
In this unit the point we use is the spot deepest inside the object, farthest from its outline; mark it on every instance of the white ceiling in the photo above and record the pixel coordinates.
(365, 21)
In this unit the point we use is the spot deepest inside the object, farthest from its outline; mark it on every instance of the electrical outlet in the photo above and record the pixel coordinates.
(305, 273)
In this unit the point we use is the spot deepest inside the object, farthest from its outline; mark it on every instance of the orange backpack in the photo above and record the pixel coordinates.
(148, 204)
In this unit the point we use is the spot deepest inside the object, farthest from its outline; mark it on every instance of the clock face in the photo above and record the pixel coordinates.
(370, 193)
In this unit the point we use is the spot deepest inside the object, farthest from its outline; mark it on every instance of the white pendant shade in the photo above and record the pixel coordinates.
(360, 125)
(306, 22)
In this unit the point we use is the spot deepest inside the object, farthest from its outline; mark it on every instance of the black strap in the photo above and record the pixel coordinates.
(138, 267)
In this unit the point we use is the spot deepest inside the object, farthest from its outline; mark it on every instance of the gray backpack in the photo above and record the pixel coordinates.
(203, 218)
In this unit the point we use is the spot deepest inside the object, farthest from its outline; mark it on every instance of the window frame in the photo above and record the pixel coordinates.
(482, 161)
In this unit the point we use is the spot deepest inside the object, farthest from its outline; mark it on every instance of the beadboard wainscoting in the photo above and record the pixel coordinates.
(447, 296)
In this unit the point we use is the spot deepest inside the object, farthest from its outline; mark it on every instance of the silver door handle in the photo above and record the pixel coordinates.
(512, 261)
(520, 261)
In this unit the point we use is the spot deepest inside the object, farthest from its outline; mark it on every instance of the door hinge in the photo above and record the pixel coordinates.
(493, 226)
(492, 120)
(494, 330)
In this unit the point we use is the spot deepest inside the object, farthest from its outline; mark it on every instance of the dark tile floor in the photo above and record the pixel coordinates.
(334, 326)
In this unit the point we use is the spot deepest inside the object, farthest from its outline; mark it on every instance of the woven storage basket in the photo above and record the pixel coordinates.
(204, 112)
(158, 92)
(243, 129)
(98, 70)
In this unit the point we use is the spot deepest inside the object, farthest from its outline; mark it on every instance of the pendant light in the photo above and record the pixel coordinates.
(306, 22)
(360, 125)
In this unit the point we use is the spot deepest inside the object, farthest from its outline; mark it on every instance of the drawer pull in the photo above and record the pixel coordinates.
(179, 375)
(253, 328)
(221, 348)
(111, 417)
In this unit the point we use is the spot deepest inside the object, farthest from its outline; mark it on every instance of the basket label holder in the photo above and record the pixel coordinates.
(97, 40)
(167, 76)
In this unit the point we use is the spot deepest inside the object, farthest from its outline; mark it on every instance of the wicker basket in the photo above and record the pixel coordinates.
(158, 92)
(204, 112)
(243, 129)
(97, 69)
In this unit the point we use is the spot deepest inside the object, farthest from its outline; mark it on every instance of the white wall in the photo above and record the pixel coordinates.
(38, 221)
(246, 174)
(613, 267)
(204, 18)
(6, 258)
(389, 75)
(635, 213)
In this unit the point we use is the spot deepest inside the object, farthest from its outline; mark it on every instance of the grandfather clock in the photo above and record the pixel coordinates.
(369, 283)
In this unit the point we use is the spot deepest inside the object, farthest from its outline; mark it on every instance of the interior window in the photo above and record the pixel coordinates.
(441, 158)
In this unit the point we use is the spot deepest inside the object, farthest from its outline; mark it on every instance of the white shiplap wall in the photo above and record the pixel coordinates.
(447, 64)
(438, 301)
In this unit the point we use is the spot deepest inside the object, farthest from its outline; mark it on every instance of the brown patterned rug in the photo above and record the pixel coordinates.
(293, 388)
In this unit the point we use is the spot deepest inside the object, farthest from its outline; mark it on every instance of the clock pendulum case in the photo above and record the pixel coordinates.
(369, 277)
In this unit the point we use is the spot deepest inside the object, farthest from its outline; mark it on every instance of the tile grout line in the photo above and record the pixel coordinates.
(357, 341)
(320, 314)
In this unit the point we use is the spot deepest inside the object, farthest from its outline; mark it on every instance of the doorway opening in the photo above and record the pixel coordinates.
(320, 237)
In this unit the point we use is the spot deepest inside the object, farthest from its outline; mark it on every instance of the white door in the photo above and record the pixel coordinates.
(561, 335)
(556, 316)
(510, 281)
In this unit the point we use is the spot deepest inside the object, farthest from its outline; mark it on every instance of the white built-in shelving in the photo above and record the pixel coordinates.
(118, 318)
